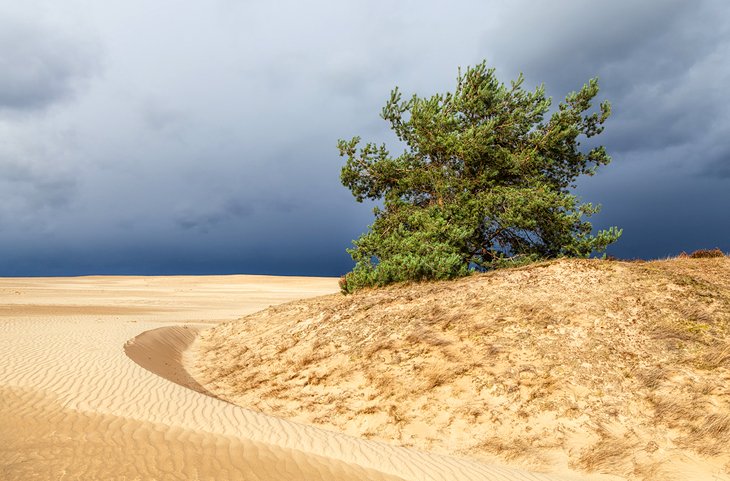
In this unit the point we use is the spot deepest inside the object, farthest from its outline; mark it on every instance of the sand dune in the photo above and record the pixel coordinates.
(161, 352)
(585, 367)
(75, 405)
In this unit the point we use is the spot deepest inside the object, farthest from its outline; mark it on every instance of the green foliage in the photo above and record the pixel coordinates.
(484, 180)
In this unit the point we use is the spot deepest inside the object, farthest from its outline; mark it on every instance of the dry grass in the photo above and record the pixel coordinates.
(612, 453)
(703, 254)
(591, 366)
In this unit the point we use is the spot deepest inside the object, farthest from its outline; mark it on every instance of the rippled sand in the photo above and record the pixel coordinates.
(91, 387)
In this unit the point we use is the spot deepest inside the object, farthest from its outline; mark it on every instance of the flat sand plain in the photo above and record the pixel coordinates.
(79, 398)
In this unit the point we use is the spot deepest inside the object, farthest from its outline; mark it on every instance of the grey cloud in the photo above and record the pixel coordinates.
(162, 118)
(40, 66)
(55, 193)
(718, 163)
(285, 205)
(720, 168)
(206, 217)
(230, 210)
(582, 38)
(660, 63)
(26, 188)
(215, 151)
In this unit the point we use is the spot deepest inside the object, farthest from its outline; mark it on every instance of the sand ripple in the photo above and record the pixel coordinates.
(74, 406)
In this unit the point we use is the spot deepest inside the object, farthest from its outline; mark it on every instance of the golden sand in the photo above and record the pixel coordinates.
(93, 386)
(597, 369)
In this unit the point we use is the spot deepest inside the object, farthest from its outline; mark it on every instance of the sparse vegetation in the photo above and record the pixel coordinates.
(596, 366)
(703, 254)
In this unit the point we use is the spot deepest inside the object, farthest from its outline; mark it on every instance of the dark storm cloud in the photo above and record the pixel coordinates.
(660, 63)
(662, 211)
(207, 141)
(40, 66)
(718, 164)
(26, 186)
(663, 65)
(564, 41)
(231, 210)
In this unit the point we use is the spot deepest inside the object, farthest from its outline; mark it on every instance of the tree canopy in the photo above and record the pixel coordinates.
(484, 179)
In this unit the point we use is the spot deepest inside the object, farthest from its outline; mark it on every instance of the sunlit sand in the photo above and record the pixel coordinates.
(92, 387)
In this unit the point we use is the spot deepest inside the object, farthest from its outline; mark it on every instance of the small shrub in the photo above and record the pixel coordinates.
(706, 253)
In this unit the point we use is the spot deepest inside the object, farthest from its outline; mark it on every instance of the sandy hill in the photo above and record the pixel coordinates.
(572, 366)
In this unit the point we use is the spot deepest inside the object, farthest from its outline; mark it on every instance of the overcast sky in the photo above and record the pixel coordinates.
(200, 137)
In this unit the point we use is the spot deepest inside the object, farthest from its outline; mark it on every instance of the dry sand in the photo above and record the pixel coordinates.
(579, 367)
(79, 398)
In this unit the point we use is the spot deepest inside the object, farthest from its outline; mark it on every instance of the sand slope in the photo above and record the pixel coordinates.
(574, 366)
(74, 405)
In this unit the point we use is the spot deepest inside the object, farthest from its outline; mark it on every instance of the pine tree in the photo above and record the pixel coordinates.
(484, 181)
